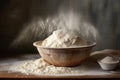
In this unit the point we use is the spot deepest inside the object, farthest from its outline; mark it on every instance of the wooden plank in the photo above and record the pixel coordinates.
(6, 74)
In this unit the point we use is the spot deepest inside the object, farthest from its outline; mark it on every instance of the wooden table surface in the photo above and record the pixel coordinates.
(6, 74)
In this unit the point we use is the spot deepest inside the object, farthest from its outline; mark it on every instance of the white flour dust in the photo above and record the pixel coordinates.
(40, 67)
(109, 59)
(62, 39)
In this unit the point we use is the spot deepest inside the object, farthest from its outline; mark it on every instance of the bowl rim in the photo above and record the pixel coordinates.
(86, 46)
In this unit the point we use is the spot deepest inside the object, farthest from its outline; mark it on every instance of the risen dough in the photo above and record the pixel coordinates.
(62, 39)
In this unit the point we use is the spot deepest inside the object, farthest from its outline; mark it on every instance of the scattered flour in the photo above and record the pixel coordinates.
(33, 65)
(40, 67)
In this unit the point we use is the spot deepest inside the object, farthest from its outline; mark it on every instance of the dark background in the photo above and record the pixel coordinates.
(16, 14)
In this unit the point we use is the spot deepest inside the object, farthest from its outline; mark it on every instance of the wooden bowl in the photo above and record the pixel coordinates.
(64, 56)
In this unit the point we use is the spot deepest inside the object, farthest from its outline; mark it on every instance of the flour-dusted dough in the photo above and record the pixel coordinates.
(62, 39)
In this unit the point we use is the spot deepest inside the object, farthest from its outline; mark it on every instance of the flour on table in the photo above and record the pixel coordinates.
(39, 66)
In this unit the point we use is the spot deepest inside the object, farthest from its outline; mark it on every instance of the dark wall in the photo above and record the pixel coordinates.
(15, 15)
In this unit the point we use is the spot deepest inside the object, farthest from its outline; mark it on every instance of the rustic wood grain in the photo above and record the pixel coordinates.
(15, 75)
(6, 74)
